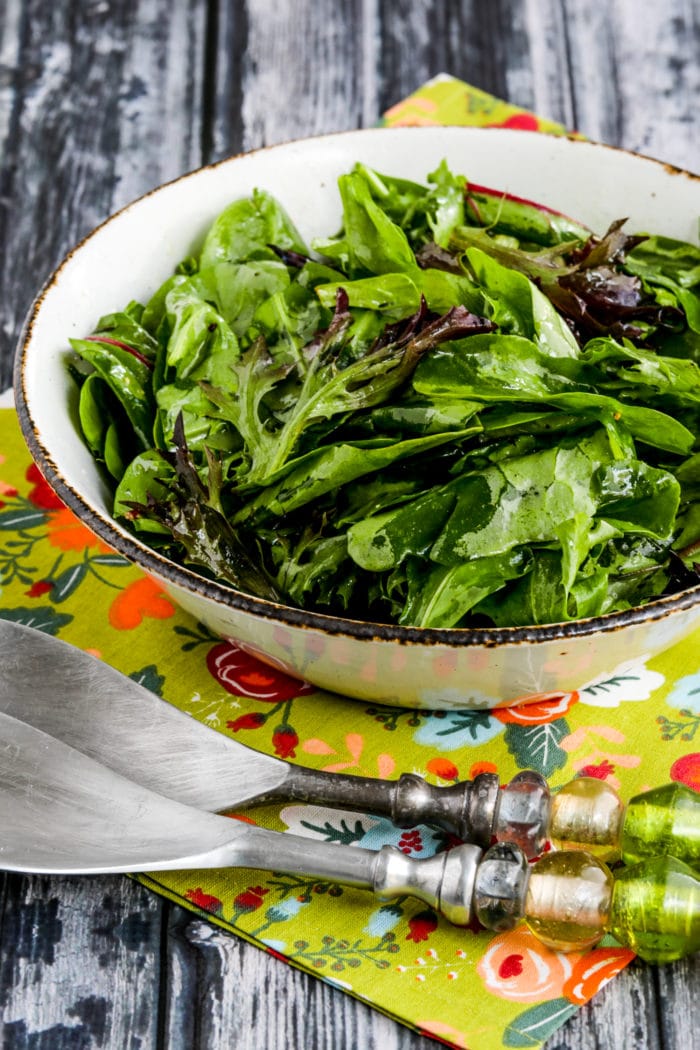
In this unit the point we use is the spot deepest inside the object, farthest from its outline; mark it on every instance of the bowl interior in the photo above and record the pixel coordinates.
(134, 251)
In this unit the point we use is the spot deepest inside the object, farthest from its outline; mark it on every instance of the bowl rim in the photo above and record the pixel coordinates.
(180, 576)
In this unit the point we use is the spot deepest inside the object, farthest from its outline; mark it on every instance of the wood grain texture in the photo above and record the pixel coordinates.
(99, 102)
(103, 991)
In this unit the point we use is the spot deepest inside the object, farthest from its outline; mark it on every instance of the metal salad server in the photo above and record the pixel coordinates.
(76, 698)
(63, 813)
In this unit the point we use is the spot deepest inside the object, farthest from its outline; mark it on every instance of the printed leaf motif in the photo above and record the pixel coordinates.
(533, 1026)
(343, 834)
(631, 680)
(68, 581)
(20, 519)
(339, 952)
(111, 560)
(149, 678)
(537, 747)
(43, 618)
(684, 727)
(469, 722)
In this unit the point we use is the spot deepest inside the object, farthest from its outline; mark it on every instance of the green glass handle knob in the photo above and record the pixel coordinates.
(655, 909)
(663, 822)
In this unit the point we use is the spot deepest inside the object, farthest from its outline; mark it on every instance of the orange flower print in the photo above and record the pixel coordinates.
(141, 598)
(594, 969)
(442, 768)
(537, 709)
(516, 966)
(481, 767)
(69, 534)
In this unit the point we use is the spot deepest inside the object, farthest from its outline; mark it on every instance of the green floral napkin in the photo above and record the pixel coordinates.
(634, 726)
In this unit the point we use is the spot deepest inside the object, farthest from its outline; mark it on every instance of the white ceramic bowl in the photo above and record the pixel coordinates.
(134, 251)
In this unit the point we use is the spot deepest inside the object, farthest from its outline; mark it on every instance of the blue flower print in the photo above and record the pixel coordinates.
(450, 730)
(685, 694)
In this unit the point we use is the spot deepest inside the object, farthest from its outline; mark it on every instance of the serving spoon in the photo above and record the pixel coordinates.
(63, 813)
(74, 697)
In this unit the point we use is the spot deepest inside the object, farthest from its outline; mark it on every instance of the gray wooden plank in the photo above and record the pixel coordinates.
(79, 964)
(253, 1000)
(468, 40)
(678, 999)
(623, 73)
(300, 72)
(159, 120)
(99, 103)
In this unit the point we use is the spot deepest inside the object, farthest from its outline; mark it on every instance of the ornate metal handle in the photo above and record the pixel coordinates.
(445, 881)
(466, 810)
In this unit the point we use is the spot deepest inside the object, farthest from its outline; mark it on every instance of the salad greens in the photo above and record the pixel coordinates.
(462, 409)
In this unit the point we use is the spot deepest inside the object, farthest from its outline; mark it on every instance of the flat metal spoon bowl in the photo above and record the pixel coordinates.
(84, 702)
(62, 812)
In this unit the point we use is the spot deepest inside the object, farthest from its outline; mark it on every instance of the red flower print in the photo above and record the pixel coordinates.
(519, 121)
(204, 900)
(600, 771)
(244, 675)
(512, 966)
(421, 926)
(253, 720)
(410, 842)
(250, 899)
(686, 770)
(39, 588)
(285, 741)
(443, 768)
(42, 495)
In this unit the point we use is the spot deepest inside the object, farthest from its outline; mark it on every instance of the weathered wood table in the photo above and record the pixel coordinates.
(100, 100)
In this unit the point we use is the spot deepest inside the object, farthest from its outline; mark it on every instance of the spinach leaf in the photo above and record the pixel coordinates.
(127, 375)
(330, 467)
(445, 595)
(247, 229)
(238, 290)
(662, 262)
(518, 306)
(510, 368)
(371, 242)
(201, 344)
(623, 367)
(504, 213)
